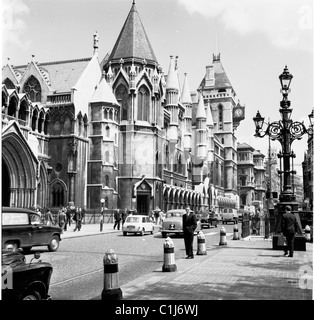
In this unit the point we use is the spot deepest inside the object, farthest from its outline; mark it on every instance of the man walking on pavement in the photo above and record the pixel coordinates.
(189, 223)
(117, 219)
(289, 227)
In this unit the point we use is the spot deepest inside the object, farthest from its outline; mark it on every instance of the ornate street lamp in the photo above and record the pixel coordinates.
(285, 131)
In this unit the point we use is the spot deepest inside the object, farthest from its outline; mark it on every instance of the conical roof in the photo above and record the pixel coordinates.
(172, 77)
(200, 113)
(186, 93)
(104, 93)
(133, 41)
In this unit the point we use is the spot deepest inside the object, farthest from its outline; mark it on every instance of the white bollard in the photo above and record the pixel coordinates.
(201, 247)
(169, 258)
(111, 289)
(307, 231)
(223, 237)
(236, 233)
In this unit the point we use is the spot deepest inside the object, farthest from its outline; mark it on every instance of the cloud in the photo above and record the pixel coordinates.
(13, 25)
(287, 23)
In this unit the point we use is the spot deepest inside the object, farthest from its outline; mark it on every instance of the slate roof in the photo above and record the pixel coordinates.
(244, 146)
(133, 41)
(63, 75)
(221, 78)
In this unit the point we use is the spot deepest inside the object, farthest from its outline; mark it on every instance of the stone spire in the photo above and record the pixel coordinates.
(133, 41)
(186, 93)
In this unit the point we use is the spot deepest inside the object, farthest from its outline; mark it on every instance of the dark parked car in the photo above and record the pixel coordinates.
(24, 281)
(208, 219)
(23, 228)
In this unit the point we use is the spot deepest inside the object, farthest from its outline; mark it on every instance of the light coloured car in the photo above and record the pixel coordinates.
(173, 223)
(138, 224)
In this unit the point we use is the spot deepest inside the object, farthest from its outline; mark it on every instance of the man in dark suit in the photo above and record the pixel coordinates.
(289, 227)
(189, 223)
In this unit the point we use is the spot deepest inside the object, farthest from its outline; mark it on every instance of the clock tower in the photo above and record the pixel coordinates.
(227, 112)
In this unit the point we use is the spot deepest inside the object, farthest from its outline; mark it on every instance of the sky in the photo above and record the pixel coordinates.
(256, 40)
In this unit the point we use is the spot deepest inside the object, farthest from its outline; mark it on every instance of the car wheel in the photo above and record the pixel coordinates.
(125, 233)
(164, 234)
(142, 232)
(54, 244)
(31, 295)
(11, 246)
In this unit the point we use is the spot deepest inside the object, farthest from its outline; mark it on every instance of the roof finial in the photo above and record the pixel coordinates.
(96, 39)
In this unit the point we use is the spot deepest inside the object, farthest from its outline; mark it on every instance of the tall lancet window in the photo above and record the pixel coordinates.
(123, 97)
(33, 89)
(220, 118)
(143, 104)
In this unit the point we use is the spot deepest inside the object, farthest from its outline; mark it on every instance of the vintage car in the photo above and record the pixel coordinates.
(23, 228)
(173, 223)
(138, 224)
(208, 219)
(229, 215)
(22, 280)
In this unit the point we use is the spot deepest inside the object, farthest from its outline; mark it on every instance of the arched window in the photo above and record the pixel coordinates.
(123, 97)
(33, 89)
(57, 195)
(41, 121)
(180, 166)
(220, 117)
(107, 181)
(108, 132)
(12, 107)
(46, 124)
(34, 120)
(23, 111)
(143, 104)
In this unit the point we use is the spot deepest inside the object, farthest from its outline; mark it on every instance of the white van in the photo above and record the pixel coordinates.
(229, 215)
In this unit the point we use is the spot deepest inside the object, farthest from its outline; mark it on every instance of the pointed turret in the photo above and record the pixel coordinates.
(172, 101)
(133, 41)
(187, 102)
(186, 93)
(104, 93)
(209, 117)
(200, 113)
(172, 77)
(201, 149)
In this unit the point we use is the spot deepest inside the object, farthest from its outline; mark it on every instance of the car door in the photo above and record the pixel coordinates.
(39, 234)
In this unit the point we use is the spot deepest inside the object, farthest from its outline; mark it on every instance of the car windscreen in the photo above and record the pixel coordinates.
(14, 219)
(173, 214)
(133, 219)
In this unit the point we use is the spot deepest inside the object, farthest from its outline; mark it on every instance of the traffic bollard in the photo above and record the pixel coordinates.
(307, 231)
(201, 247)
(236, 233)
(101, 223)
(111, 289)
(223, 238)
(169, 258)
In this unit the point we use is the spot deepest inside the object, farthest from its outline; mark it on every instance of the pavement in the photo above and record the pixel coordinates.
(245, 269)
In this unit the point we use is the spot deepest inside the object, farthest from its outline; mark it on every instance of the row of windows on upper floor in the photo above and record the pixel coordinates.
(39, 120)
